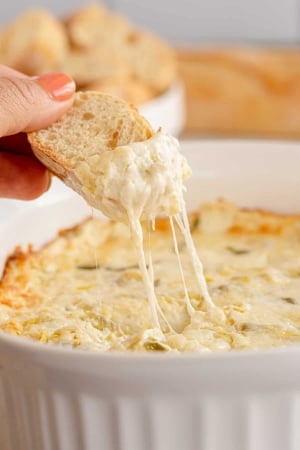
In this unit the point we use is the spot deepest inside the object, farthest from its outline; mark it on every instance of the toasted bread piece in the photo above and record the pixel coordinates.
(150, 59)
(35, 42)
(95, 123)
(88, 66)
(129, 89)
(94, 26)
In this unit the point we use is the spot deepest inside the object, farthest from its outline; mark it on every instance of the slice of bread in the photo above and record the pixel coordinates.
(35, 42)
(150, 59)
(94, 26)
(129, 89)
(87, 66)
(96, 122)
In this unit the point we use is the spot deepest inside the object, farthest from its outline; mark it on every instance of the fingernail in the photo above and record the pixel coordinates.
(58, 85)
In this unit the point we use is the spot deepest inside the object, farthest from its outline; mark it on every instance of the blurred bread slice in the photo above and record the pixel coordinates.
(35, 42)
(94, 26)
(90, 65)
(129, 89)
(95, 123)
(150, 59)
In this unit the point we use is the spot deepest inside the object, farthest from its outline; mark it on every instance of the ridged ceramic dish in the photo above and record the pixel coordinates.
(61, 399)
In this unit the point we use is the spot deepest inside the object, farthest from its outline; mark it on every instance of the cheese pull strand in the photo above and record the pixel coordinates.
(147, 274)
(189, 305)
(183, 224)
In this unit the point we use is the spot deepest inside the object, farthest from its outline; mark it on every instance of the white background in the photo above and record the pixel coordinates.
(194, 21)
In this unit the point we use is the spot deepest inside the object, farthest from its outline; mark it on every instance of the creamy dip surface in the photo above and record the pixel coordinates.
(86, 290)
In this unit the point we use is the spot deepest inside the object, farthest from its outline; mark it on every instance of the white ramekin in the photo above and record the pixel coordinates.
(55, 398)
(167, 111)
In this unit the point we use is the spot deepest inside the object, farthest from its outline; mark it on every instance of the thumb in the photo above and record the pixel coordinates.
(28, 104)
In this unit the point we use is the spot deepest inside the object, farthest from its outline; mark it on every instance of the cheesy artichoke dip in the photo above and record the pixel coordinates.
(141, 181)
(85, 289)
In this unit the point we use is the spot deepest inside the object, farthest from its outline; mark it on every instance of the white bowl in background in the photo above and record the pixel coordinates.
(54, 398)
(167, 111)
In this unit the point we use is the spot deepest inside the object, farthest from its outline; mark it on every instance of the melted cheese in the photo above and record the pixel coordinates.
(141, 181)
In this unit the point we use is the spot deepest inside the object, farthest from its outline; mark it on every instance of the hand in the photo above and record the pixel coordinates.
(27, 104)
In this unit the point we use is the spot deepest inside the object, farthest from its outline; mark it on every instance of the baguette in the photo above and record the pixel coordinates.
(94, 26)
(96, 123)
(242, 92)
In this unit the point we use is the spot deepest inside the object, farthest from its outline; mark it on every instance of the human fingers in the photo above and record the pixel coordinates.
(22, 177)
(28, 104)
(16, 143)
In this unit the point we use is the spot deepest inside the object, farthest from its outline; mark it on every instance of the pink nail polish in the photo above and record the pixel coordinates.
(58, 85)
